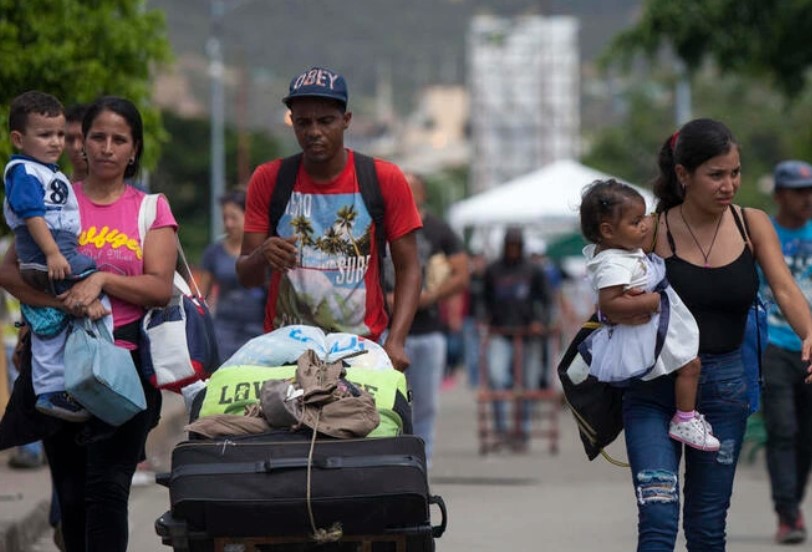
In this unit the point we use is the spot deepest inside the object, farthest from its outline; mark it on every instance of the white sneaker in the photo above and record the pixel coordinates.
(696, 433)
(705, 422)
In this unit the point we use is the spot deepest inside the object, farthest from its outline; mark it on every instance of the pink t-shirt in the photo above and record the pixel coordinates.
(110, 236)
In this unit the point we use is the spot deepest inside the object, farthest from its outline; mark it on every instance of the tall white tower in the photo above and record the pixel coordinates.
(523, 78)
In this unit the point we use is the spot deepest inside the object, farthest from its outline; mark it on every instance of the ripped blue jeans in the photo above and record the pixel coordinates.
(655, 458)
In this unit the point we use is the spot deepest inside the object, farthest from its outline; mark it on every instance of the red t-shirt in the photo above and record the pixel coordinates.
(336, 285)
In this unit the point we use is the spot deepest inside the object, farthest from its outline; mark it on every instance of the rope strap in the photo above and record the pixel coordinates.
(334, 533)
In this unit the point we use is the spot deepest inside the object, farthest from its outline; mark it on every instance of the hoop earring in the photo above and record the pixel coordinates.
(131, 161)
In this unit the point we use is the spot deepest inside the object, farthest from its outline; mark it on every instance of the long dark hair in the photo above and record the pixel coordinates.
(126, 109)
(235, 197)
(693, 144)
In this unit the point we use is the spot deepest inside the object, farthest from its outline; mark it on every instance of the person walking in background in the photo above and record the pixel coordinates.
(517, 306)
(445, 263)
(74, 141)
(238, 312)
(786, 399)
(710, 247)
(451, 314)
(92, 470)
(473, 316)
(324, 252)
(30, 455)
(562, 314)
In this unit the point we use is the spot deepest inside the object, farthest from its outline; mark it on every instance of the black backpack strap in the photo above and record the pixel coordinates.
(373, 199)
(370, 188)
(285, 180)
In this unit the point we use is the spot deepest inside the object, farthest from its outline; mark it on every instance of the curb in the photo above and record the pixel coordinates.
(19, 534)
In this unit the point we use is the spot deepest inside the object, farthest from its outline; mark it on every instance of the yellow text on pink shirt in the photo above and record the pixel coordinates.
(114, 238)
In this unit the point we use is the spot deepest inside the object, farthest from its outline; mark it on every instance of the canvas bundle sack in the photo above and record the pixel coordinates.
(178, 346)
(320, 398)
(101, 376)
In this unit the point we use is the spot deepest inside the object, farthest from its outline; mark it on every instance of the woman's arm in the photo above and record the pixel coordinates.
(794, 305)
(650, 241)
(205, 281)
(12, 281)
(153, 288)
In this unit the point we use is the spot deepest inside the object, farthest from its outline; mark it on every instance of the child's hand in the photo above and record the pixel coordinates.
(96, 310)
(58, 266)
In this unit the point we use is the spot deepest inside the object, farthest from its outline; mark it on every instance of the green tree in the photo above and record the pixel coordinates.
(78, 50)
(629, 150)
(761, 38)
(183, 172)
(446, 187)
(766, 127)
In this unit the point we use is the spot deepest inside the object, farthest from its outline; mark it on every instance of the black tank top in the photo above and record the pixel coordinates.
(719, 298)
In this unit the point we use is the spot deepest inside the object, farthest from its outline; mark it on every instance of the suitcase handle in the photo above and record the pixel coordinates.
(163, 478)
(340, 462)
(438, 530)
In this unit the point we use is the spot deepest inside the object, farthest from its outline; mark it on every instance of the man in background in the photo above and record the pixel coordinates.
(517, 308)
(786, 399)
(445, 264)
(74, 141)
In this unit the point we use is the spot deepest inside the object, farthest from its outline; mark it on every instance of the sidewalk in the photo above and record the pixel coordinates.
(25, 495)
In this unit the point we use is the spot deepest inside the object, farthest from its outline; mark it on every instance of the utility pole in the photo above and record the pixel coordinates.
(682, 95)
(243, 136)
(218, 154)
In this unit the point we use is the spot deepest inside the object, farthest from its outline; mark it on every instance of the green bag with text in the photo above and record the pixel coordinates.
(230, 389)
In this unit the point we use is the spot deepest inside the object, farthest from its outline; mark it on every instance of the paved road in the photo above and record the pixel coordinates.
(530, 502)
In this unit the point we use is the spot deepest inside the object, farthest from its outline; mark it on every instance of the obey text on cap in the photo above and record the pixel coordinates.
(316, 77)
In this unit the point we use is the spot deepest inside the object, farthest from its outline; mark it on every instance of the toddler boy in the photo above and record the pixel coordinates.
(41, 209)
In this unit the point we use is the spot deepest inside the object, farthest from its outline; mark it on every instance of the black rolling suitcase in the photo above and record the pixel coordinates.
(257, 487)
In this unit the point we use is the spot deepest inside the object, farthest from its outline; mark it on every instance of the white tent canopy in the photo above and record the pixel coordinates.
(545, 200)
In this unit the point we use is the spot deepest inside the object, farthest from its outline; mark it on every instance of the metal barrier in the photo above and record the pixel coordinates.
(536, 405)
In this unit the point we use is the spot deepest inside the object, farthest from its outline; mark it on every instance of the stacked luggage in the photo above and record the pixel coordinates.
(292, 490)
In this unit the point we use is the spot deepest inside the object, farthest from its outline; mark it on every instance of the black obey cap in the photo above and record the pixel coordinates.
(317, 82)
